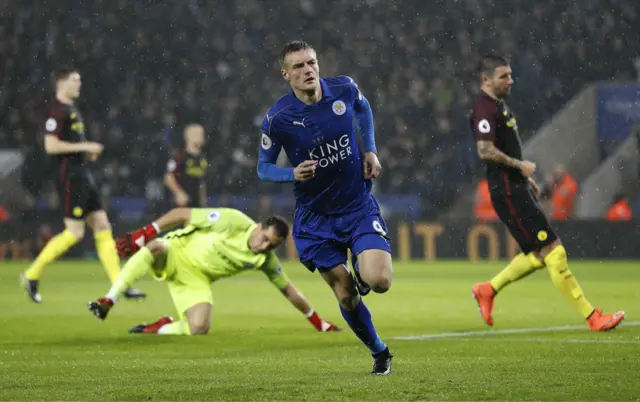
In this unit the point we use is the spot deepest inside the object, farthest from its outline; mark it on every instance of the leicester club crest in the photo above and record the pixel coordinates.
(339, 108)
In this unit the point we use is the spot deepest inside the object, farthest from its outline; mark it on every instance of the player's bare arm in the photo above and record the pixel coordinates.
(175, 217)
(54, 145)
(180, 196)
(489, 152)
(297, 299)
(280, 280)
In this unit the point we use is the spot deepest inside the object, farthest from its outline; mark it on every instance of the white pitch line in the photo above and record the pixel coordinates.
(546, 340)
(467, 334)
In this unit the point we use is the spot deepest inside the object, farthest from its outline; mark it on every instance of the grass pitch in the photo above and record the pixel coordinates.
(261, 348)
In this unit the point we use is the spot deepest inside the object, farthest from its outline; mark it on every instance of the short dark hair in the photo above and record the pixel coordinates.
(62, 73)
(280, 225)
(291, 47)
(489, 62)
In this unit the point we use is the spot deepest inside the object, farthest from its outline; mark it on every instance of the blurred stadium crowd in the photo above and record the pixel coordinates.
(150, 68)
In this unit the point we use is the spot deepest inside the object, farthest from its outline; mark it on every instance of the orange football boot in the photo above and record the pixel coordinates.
(484, 295)
(598, 321)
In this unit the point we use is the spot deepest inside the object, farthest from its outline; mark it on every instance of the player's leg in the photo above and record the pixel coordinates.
(371, 246)
(74, 198)
(105, 244)
(371, 252)
(357, 315)
(196, 320)
(191, 294)
(530, 227)
(152, 257)
(199, 318)
(549, 249)
(361, 285)
(319, 249)
(554, 256)
(373, 267)
(510, 212)
(57, 246)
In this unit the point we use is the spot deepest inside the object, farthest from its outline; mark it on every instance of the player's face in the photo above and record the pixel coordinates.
(501, 81)
(264, 239)
(71, 86)
(301, 70)
(195, 136)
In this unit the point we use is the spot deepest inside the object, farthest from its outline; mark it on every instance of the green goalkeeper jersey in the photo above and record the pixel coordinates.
(215, 244)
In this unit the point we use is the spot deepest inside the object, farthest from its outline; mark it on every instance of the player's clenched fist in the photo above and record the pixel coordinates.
(93, 150)
(129, 243)
(372, 166)
(305, 171)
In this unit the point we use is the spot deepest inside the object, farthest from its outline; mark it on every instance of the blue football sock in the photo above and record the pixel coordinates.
(361, 324)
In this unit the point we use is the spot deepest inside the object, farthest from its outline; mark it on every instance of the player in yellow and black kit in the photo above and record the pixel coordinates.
(66, 140)
(514, 195)
(187, 169)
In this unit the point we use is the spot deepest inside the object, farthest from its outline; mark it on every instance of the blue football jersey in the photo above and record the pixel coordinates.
(324, 132)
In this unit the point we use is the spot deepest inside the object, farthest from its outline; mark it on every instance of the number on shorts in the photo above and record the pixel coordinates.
(377, 226)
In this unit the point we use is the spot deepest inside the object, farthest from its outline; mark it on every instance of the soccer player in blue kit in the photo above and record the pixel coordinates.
(316, 124)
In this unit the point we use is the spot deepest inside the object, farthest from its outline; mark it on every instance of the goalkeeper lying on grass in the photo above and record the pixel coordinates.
(216, 243)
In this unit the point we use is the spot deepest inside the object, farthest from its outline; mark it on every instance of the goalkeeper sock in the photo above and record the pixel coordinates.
(359, 319)
(108, 254)
(175, 328)
(521, 266)
(58, 245)
(133, 270)
(564, 280)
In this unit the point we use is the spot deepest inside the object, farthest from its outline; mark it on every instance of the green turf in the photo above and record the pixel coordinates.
(260, 348)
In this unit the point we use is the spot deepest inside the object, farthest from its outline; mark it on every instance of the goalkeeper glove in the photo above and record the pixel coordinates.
(129, 243)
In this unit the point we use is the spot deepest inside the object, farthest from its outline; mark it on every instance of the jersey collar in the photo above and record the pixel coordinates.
(486, 96)
(300, 105)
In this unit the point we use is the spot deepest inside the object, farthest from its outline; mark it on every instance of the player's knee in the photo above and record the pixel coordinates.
(101, 226)
(157, 247)
(77, 231)
(556, 256)
(350, 300)
(346, 293)
(199, 328)
(99, 223)
(381, 284)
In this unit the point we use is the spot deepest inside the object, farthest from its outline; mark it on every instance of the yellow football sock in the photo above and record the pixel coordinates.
(108, 254)
(175, 328)
(58, 245)
(565, 281)
(519, 267)
(137, 266)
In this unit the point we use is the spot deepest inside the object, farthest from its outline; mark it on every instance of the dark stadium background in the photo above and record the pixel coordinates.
(150, 68)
